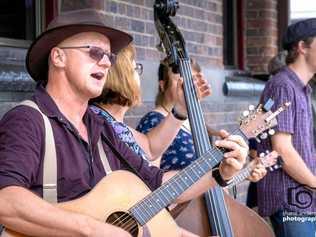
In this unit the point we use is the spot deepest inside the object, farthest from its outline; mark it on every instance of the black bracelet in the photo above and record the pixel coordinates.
(219, 179)
(177, 115)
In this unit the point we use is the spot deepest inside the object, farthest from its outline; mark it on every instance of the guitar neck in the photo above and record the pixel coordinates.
(241, 176)
(147, 208)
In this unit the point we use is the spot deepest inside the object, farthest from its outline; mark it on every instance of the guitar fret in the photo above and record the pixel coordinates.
(189, 174)
(152, 205)
(139, 213)
(242, 175)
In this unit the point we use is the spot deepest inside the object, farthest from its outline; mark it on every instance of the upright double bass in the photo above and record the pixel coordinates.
(226, 217)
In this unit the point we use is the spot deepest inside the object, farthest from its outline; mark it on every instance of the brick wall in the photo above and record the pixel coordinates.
(261, 34)
(200, 21)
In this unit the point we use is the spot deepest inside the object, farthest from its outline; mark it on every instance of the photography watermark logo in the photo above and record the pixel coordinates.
(301, 196)
(299, 217)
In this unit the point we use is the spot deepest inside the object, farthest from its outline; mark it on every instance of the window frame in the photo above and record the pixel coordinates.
(45, 11)
(233, 39)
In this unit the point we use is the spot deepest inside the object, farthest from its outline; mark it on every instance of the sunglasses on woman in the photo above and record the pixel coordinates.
(96, 53)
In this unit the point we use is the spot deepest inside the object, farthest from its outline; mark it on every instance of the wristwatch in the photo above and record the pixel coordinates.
(219, 179)
(177, 115)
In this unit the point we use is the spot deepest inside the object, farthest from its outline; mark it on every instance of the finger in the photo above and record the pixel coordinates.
(254, 177)
(234, 153)
(238, 139)
(223, 133)
(254, 162)
(199, 76)
(205, 93)
(259, 172)
(260, 166)
(230, 145)
(204, 88)
(201, 81)
(232, 163)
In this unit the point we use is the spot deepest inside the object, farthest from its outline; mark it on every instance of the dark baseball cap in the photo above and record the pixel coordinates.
(299, 31)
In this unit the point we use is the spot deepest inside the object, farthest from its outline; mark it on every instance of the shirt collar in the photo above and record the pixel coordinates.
(297, 81)
(50, 109)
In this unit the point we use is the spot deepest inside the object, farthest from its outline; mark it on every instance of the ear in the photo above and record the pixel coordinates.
(57, 57)
(162, 85)
(301, 47)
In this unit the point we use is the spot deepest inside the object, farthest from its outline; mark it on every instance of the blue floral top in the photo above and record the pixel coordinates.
(180, 153)
(122, 130)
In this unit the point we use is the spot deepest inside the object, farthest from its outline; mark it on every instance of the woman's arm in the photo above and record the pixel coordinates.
(159, 138)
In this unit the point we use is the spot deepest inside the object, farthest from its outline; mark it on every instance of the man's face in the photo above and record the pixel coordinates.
(311, 56)
(85, 75)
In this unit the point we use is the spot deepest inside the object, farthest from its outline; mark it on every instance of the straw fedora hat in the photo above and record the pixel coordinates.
(65, 26)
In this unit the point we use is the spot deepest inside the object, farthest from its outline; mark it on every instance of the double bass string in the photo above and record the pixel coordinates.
(197, 112)
(197, 118)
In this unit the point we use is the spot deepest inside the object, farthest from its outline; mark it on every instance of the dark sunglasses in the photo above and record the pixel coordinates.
(139, 68)
(95, 52)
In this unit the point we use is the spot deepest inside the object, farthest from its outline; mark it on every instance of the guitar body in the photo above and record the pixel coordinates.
(245, 222)
(116, 193)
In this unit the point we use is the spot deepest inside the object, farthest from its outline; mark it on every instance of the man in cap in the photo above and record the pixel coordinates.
(70, 62)
(284, 195)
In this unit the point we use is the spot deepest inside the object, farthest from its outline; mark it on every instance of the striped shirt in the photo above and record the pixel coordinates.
(278, 191)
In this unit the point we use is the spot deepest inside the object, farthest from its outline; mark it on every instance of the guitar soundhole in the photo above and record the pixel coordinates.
(124, 221)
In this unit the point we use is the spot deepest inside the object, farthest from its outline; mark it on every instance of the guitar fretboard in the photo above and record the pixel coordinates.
(241, 176)
(144, 210)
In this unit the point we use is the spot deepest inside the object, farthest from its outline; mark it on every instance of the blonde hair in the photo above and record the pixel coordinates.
(121, 87)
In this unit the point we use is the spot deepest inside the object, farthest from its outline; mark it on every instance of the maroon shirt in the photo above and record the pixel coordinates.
(79, 167)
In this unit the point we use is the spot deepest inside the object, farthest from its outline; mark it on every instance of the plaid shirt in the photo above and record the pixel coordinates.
(278, 191)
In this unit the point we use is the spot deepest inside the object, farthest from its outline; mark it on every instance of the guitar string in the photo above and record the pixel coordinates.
(194, 165)
(132, 222)
(127, 220)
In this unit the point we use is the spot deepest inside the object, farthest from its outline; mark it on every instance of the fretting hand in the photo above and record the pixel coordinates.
(202, 87)
(258, 172)
(235, 158)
